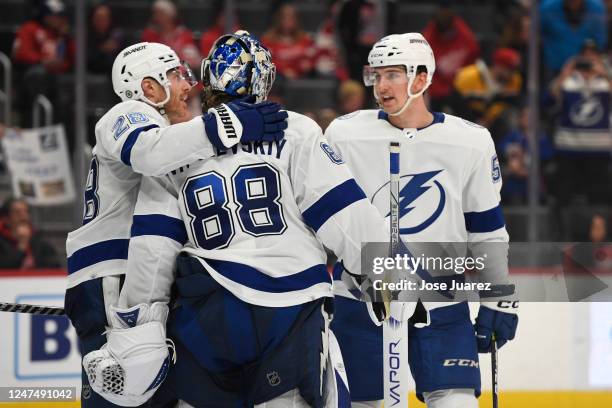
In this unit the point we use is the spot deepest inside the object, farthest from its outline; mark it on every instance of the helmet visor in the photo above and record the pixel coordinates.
(369, 75)
(183, 71)
(393, 74)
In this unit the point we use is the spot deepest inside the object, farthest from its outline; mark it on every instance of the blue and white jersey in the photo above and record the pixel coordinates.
(450, 176)
(257, 217)
(132, 138)
(585, 116)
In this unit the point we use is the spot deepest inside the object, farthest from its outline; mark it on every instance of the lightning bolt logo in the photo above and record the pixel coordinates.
(414, 189)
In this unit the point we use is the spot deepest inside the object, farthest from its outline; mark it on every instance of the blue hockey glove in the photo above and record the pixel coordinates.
(492, 320)
(243, 121)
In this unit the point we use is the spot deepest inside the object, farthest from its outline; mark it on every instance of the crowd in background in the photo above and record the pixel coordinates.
(480, 76)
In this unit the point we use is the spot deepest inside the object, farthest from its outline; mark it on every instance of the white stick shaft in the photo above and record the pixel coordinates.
(395, 333)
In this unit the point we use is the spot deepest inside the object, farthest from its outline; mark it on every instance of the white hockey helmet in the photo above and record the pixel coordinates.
(139, 61)
(410, 50)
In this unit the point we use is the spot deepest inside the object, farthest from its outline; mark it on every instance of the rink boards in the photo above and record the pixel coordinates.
(562, 356)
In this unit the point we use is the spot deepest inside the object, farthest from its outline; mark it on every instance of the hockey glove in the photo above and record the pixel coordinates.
(499, 318)
(242, 121)
(129, 368)
(379, 305)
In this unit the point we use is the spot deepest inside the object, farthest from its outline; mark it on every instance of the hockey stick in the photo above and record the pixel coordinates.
(494, 378)
(395, 333)
(31, 309)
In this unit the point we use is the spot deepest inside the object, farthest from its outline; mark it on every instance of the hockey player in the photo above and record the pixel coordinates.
(133, 138)
(252, 289)
(449, 192)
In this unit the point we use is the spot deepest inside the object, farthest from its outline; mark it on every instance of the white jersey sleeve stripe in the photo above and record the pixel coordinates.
(159, 225)
(484, 221)
(332, 202)
(250, 277)
(98, 252)
(130, 141)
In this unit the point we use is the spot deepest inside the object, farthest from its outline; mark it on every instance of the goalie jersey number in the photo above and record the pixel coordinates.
(255, 192)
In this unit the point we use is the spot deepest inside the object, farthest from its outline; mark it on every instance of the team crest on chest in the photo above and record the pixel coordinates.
(422, 200)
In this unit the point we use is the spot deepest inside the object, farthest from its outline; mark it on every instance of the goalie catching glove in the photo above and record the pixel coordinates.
(129, 368)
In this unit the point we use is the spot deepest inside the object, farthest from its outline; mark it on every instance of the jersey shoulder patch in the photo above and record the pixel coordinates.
(137, 117)
(333, 156)
(495, 169)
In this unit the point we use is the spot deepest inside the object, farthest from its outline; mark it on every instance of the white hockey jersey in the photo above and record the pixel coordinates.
(450, 176)
(257, 218)
(131, 138)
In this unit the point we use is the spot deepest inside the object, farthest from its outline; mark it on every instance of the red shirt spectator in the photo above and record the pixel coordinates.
(292, 48)
(45, 42)
(328, 61)
(454, 47)
(21, 247)
(164, 28)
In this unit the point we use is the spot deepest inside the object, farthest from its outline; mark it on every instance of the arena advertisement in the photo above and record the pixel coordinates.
(37, 350)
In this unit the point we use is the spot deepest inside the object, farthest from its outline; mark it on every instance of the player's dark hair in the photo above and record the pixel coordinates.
(421, 69)
(213, 97)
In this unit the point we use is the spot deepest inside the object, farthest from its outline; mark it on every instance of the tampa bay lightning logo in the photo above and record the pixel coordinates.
(420, 191)
(586, 112)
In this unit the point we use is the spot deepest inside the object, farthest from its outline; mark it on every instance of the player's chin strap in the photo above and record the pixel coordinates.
(411, 96)
(159, 105)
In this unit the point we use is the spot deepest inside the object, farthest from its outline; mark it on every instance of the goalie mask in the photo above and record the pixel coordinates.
(239, 65)
(410, 50)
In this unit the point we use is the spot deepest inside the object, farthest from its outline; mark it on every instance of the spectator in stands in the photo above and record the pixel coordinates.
(104, 40)
(514, 156)
(328, 59)
(351, 96)
(454, 46)
(42, 48)
(292, 48)
(566, 24)
(360, 25)
(608, 4)
(164, 28)
(21, 246)
(515, 35)
(596, 253)
(217, 29)
(489, 95)
(582, 138)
